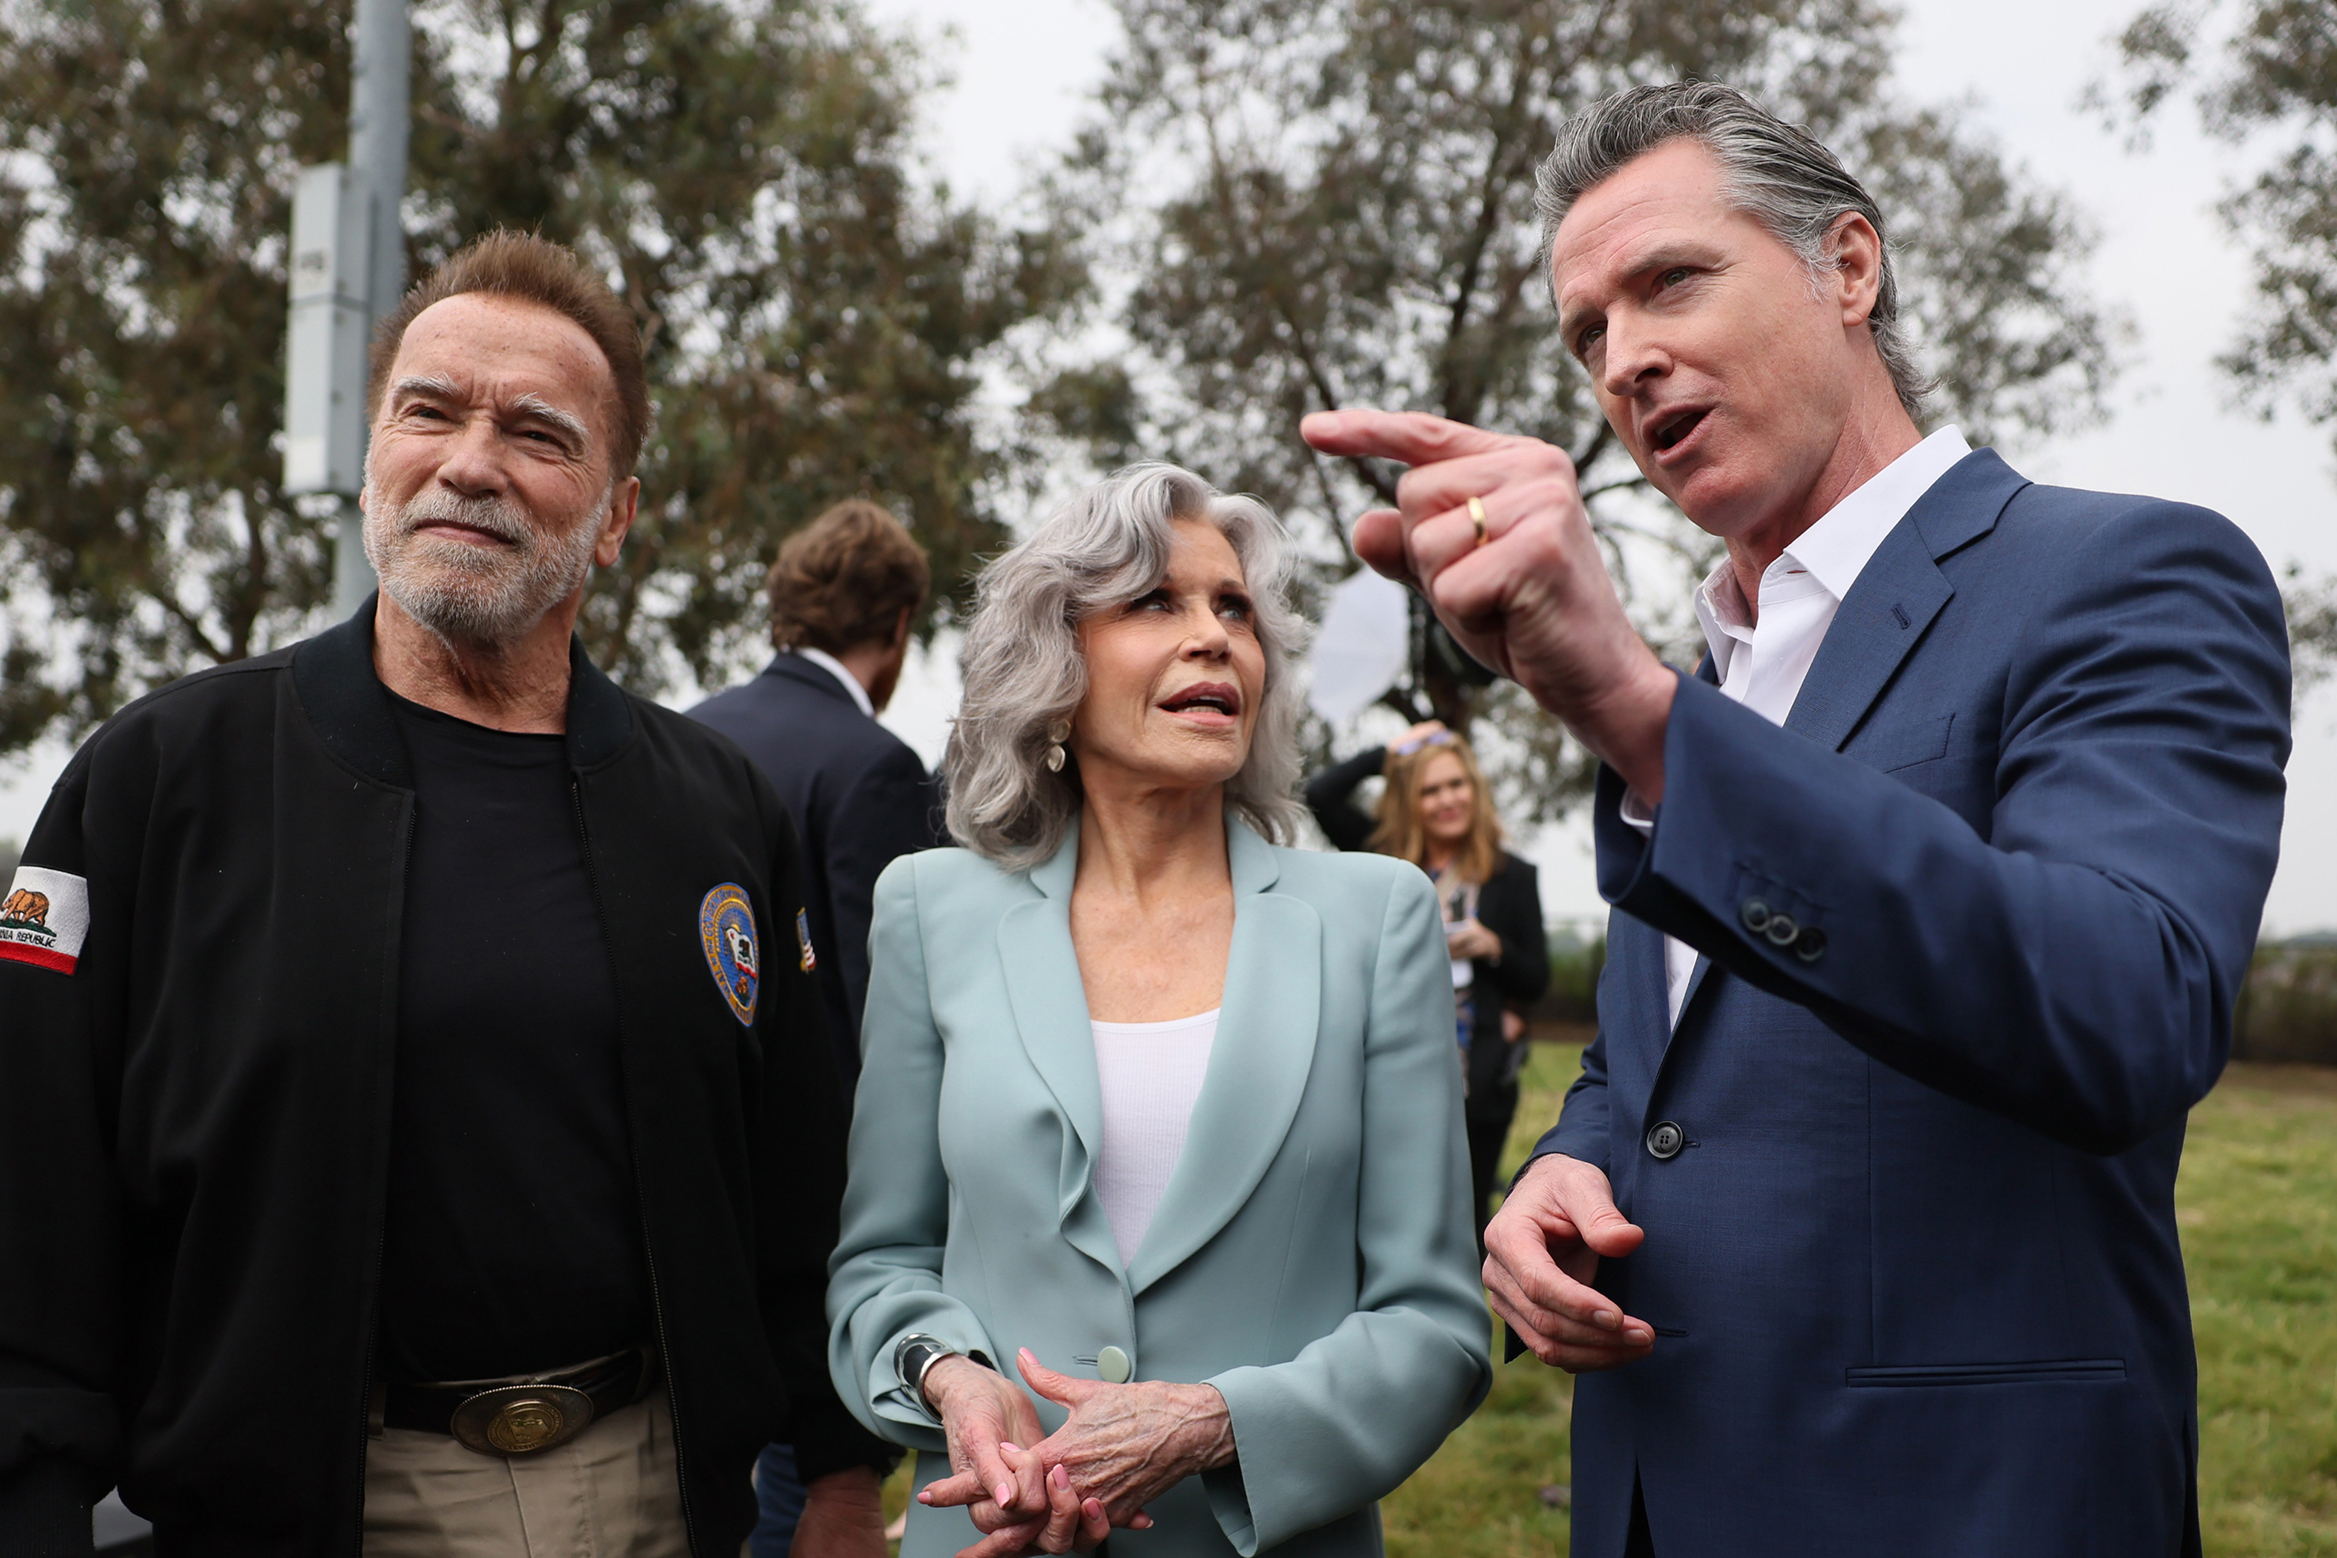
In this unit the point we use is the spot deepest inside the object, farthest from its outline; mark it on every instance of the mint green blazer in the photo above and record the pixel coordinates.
(1313, 1255)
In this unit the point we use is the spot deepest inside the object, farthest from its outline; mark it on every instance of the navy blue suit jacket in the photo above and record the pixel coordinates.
(1914, 1276)
(859, 796)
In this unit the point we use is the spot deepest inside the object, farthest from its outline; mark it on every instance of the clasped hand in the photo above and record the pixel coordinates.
(1121, 1447)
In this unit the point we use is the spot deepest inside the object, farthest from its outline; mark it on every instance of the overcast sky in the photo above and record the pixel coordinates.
(1023, 71)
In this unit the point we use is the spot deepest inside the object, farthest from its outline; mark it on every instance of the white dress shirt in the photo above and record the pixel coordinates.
(1761, 660)
(1150, 1076)
(835, 667)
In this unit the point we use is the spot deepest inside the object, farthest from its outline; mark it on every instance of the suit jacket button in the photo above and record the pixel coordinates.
(1755, 915)
(1810, 945)
(1664, 1140)
(1112, 1366)
(1782, 929)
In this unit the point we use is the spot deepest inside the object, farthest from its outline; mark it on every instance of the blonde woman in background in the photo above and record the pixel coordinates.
(1437, 812)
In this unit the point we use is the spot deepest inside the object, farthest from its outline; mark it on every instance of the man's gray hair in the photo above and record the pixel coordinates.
(1024, 670)
(1776, 173)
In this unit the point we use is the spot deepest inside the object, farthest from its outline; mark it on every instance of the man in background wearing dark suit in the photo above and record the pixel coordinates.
(843, 593)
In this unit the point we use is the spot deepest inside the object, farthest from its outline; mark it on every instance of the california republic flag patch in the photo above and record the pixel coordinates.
(44, 919)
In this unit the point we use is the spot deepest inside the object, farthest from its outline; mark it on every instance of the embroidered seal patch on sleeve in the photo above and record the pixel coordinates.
(810, 959)
(726, 924)
(44, 919)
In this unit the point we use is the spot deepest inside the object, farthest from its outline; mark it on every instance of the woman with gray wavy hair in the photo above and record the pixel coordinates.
(1158, 1118)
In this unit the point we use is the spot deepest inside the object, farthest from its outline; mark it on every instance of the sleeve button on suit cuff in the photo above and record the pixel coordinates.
(1810, 945)
(1782, 929)
(1755, 915)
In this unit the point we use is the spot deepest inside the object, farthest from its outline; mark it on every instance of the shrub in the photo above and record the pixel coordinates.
(2288, 1007)
(1574, 979)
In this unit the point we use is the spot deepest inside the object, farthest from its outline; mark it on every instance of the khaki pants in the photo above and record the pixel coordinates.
(611, 1492)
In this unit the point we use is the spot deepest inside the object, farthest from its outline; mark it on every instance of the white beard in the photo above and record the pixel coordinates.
(485, 597)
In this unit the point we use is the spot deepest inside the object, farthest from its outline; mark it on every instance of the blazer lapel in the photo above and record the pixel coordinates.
(1641, 954)
(1687, 998)
(1050, 1014)
(1258, 1066)
(1707, 670)
(1897, 594)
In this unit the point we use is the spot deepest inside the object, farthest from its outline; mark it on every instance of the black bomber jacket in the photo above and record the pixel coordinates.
(194, 1105)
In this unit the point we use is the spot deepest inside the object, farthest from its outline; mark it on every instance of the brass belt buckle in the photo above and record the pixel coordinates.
(520, 1419)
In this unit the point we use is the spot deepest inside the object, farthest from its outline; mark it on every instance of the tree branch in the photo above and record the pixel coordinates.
(254, 593)
(1294, 334)
(1400, 699)
(169, 602)
(1322, 476)
(1490, 184)
(1599, 440)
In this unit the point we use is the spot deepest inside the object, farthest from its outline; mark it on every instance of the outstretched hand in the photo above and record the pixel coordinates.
(1541, 1251)
(1532, 598)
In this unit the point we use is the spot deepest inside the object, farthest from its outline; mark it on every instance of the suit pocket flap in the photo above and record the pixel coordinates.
(1921, 742)
(2072, 1371)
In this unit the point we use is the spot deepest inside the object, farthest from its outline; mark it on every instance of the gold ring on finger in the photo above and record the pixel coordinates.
(1477, 518)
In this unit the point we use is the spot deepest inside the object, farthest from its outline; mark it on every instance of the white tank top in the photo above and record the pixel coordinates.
(1150, 1074)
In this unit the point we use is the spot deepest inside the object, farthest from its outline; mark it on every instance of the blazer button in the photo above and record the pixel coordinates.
(1782, 929)
(1112, 1366)
(1755, 915)
(1810, 945)
(1664, 1140)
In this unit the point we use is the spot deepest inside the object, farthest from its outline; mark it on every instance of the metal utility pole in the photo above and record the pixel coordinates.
(348, 271)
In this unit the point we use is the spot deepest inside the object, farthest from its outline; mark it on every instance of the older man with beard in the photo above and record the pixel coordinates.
(418, 1130)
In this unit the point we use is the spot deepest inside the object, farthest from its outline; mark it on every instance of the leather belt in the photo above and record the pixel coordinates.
(522, 1414)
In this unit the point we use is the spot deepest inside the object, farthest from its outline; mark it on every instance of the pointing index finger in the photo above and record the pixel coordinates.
(1411, 437)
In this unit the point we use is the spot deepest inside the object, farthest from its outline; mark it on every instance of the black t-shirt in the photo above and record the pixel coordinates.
(514, 1238)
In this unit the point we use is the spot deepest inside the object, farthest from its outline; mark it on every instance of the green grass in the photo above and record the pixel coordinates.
(1480, 1496)
(2258, 1206)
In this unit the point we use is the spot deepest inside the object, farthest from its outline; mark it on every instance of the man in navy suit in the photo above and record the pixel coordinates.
(843, 593)
(1933, 890)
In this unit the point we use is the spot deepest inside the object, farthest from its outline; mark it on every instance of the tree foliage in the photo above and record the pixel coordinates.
(2263, 72)
(2273, 77)
(1327, 203)
(816, 324)
(2311, 606)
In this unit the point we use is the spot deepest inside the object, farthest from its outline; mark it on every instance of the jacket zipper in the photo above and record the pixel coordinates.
(381, 1210)
(673, 1400)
